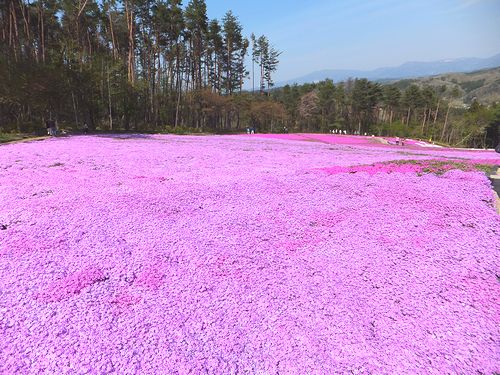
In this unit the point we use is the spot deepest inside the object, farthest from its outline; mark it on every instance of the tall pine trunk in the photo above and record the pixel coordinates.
(445, 122)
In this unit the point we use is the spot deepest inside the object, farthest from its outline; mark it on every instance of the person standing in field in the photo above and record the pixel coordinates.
(85, 128)
(48, 126)
(53, 128)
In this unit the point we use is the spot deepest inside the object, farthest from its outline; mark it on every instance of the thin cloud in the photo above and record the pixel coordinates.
(464, 4)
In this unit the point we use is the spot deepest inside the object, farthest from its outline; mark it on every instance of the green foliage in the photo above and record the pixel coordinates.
(266, 57)
(122, 65)
(362, 106)
(391, 96)
(233, 53)
(8, 137)
(180, 130)
(396, 129)
(412, 97)
(469, 86)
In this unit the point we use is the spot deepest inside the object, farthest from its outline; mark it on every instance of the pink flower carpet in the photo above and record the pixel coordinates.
(251, 254)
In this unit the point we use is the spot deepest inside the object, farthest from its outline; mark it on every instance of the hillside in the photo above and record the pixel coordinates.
(484, 85)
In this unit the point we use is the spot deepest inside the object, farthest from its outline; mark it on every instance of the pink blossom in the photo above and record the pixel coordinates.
(246, 254)
(71, 284)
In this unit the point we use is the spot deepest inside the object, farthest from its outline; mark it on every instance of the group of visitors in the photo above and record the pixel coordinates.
(250, 130)
(338, 131)
(400, 141)
(345, 132)
(51, 126)
(53, 130)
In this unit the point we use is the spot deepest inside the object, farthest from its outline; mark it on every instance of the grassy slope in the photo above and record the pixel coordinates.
(8, 137)
(482, 84)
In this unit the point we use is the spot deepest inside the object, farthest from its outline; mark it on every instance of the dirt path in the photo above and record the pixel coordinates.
(495, 182)
(24, 140)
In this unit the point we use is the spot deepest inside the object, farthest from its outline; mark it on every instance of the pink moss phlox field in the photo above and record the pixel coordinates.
(155, 254)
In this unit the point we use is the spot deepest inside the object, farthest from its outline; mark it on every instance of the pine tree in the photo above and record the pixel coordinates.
(125, 64)
(234, 51)
(215, 55)
(196, 31)
(266, 57)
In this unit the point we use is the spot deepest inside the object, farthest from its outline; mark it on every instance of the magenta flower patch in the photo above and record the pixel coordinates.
(151, 277)
(247, 254)
(71, 284)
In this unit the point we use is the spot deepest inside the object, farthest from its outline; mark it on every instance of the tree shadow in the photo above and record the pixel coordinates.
(124, 137)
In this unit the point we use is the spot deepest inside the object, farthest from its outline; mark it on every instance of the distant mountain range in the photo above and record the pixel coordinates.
(406, 70)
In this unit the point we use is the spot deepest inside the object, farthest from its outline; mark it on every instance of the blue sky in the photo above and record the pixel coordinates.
(367, 34)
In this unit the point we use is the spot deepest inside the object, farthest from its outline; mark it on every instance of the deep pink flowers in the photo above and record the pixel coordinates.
(71, 284)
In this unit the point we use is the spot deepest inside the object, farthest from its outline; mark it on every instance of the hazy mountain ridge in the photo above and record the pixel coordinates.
(406, 70)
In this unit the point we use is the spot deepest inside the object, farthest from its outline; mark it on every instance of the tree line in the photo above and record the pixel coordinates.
(159, 65)
(145, 65)
(362, 106)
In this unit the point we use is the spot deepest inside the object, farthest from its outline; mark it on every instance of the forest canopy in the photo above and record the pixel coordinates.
(129, 65)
